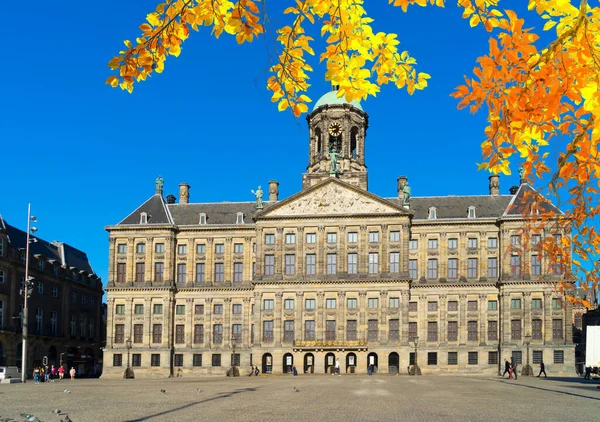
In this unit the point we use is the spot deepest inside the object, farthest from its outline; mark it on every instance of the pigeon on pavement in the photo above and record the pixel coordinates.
(198, 390)
(67, 419)
(296, 390)
(163, 391)
(66, 391)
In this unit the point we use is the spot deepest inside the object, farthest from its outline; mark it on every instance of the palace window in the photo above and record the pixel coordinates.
(269, 239)
(269, 265)
(394, 236)
(472, 243)
(492, 358)
(237, 271)
(181, 273)
(290, 264)
(200, 272)
(329, 330)
(219, 248)
(394, 330)
(412, 331)
(413, 245)
(219, 271)
(218, 333)
(453, 268)
(453, 243)
(492, 330)
(155, 359)
(311, 264)
(331, 237)
(351, 329)
(218, 309)
(412, 306)
(515, 240)
(515, 303)
(180, 334)
(239, 219)
(140, 248)
(373, 303)
(536, 329)
(394, 262)
(157, 309)
(432, 213)
(119, 333)
(216, 359)
(432, 243)
(535, 240)
(202, 219)
(309, 330)
(267, 330)
(180, 310)
(471, 213)
(182, 249)
(140, 269)
(515, 265)
(236, 309)
(290, 238)
(159, 248)
(373, 330)
(198, 333)
(492, 267)
(268, 304)
(432, 358)
(238, 248)
(412, 268)
(373, 263)
(236, 333)
(472, 305)
(139, 309)
(559, 356)
(120, 309)
(492, 242)
(452, 358)
(492, 305)
(452, 331)
(432, 306)
(288, 330)
(373, 237)
(536, 303)
(121, 272)
(311, 238)
(536, 265)
(201, 249)
(472, 268)
(556, 303)
(537, 357)
(117, 359)
(352, 303)
(159, 268)
(432, 331)
(352, 263)
(432, 268)
(394, 302)
(330, 303)
(472, 330)
(288, 304)
(121, 248)
(157, 333)
(309, 304)
(473, 358)
(515, 329)
(557, 329)
(331, 263)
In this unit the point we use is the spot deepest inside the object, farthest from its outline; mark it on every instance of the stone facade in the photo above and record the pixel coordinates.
(332, 272)
(65, 319)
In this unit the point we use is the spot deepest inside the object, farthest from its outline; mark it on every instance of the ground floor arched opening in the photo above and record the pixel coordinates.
(372, 362)
(309, 363)
(393, 363)
(267, 363)
(351, 363)
(288, 363)
(329, 363)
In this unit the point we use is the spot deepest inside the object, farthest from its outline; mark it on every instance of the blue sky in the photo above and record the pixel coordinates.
(86, 155)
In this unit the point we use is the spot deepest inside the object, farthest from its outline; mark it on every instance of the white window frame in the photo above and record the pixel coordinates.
(432, 215)
(269, 239)
(238, 248)
(352, 237)
(373, 263)
(311, 238)
(200, 248)
(202, 219)
(239, 219)
(373, 237)
(471, 213)
(182, 249)
(311, 264)
(290, 238)
(331, 237)
(352, 263)
(143, 218)
(395, 236)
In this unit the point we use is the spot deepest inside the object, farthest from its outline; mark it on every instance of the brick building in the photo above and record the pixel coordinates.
(333, 272)
(64, 308)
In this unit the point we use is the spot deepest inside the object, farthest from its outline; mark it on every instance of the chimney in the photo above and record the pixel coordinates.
(402, 180)
(184, 193)
(273, 190)
(494, 185)
(170, 199)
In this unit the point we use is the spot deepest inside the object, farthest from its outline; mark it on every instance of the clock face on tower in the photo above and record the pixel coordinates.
(335, 129)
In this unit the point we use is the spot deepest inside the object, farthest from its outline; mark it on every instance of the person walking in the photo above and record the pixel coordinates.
(513, 366)
(588, 371)
(61, 372)
(72, 373)
(542, 370)
(53, 373)
(295, 371)
(337, 367)
(506, 368)
(36, 375)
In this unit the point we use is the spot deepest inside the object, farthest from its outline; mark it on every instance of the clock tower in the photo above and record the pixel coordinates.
(337, 132)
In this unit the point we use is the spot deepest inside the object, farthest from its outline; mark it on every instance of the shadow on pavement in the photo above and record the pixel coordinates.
(217, 397)
(516, 383)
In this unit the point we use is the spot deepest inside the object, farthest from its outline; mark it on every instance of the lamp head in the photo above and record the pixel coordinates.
(33, 229)
(33, 219)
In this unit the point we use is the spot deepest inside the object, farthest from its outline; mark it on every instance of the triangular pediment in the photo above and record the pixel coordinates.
(332, 197)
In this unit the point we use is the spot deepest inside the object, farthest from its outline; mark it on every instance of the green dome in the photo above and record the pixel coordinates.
(331, 98)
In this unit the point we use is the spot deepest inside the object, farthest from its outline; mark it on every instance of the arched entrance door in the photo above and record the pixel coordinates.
(351, 363)
(2, 357)
(393, 363)
(288, 363)
(372, 362)
(52, 355)
(267, 363)
(309, 363)
(329, 363)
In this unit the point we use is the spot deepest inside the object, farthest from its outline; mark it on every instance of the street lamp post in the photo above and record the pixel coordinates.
(128, 371)
(416, 369)
(26, 292)
(527, 370)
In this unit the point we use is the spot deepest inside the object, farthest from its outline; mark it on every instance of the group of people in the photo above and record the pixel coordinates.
(45, 374)
(510, 368)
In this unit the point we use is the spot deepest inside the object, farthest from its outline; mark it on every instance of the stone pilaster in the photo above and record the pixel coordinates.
(362, 323)
(278, 334)
(208, 324)
(257, 319)
(320, 317)
(130, 274)
(227, 322)
(462, 325)
(246, 325)
(384, 240)
(112, 262)
(443, 334)
(341, 320)
(547, 328)
(404, 317)
(148, 262)
(147, 339)
(298, 307)
(383, 319)
(110, 313)
(482, 319)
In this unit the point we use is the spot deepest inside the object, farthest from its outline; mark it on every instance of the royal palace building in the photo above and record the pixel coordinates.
(333, 272)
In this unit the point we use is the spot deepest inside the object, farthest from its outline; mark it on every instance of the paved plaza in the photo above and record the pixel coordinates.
(320, 397)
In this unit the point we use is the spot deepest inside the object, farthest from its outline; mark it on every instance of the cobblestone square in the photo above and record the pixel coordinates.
(320, 397)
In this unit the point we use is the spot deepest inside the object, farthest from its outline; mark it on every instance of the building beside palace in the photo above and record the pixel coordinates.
(64, 308)
(333, 272)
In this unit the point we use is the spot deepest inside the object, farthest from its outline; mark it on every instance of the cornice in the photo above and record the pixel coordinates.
(330, 217)
(333, 281)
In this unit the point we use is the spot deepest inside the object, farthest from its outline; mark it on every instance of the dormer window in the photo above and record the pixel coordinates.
(240, 218)
(143, 218)
(471, 213)
(202, 218)
(432, 213)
